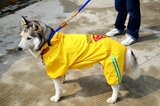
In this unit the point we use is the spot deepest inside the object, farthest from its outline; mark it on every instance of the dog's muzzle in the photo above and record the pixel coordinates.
(19, 48)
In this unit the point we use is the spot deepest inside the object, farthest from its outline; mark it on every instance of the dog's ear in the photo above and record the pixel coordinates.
(36, 26)
(23, 21)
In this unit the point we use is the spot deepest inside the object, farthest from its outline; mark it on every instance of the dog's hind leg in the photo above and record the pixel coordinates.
(58, 89)
(114, 96)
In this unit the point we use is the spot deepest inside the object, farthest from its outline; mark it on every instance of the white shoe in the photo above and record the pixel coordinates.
(128, 40)
(113, 32)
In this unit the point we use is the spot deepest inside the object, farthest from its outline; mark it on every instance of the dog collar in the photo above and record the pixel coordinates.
(45, 50)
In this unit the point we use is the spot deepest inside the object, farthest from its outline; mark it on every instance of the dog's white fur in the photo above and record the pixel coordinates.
(31, 43)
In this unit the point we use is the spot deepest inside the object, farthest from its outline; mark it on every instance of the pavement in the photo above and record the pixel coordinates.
(23, 80)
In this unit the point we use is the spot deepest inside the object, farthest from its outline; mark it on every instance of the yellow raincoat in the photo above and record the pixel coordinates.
(79, 51)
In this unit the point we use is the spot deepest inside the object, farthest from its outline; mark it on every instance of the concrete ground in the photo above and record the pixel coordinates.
(23, 80)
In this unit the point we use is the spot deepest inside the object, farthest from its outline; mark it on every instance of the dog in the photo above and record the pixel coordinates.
(77, 51)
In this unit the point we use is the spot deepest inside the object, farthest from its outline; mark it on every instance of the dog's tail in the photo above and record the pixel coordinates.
(131, 65)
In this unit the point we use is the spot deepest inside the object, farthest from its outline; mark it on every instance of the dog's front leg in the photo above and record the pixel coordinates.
(63, 79)
(114, 96)
(58, 88)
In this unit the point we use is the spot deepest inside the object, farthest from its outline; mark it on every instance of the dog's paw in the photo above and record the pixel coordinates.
(111, 100)
(54, 98)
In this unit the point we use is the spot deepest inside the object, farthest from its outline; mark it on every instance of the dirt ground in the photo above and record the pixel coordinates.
(23, 80)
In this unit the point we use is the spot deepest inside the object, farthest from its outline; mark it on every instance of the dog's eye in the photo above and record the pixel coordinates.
(29, 38)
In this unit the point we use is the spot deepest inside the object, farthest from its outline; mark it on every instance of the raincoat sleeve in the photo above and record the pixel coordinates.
(57, 68)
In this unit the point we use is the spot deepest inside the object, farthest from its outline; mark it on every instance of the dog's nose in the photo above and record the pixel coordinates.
(19, 48)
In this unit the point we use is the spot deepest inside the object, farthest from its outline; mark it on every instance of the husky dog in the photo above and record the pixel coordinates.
(77, 51)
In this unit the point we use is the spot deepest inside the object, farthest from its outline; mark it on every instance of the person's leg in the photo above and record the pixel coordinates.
(133, 8)
(120, 6)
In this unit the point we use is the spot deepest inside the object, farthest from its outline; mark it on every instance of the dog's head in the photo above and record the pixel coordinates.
(32, 35)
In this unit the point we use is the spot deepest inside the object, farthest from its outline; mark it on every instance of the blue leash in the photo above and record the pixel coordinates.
(66, 22)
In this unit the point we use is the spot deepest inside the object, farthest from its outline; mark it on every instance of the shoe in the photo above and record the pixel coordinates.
(113, 32)
(128, 40)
